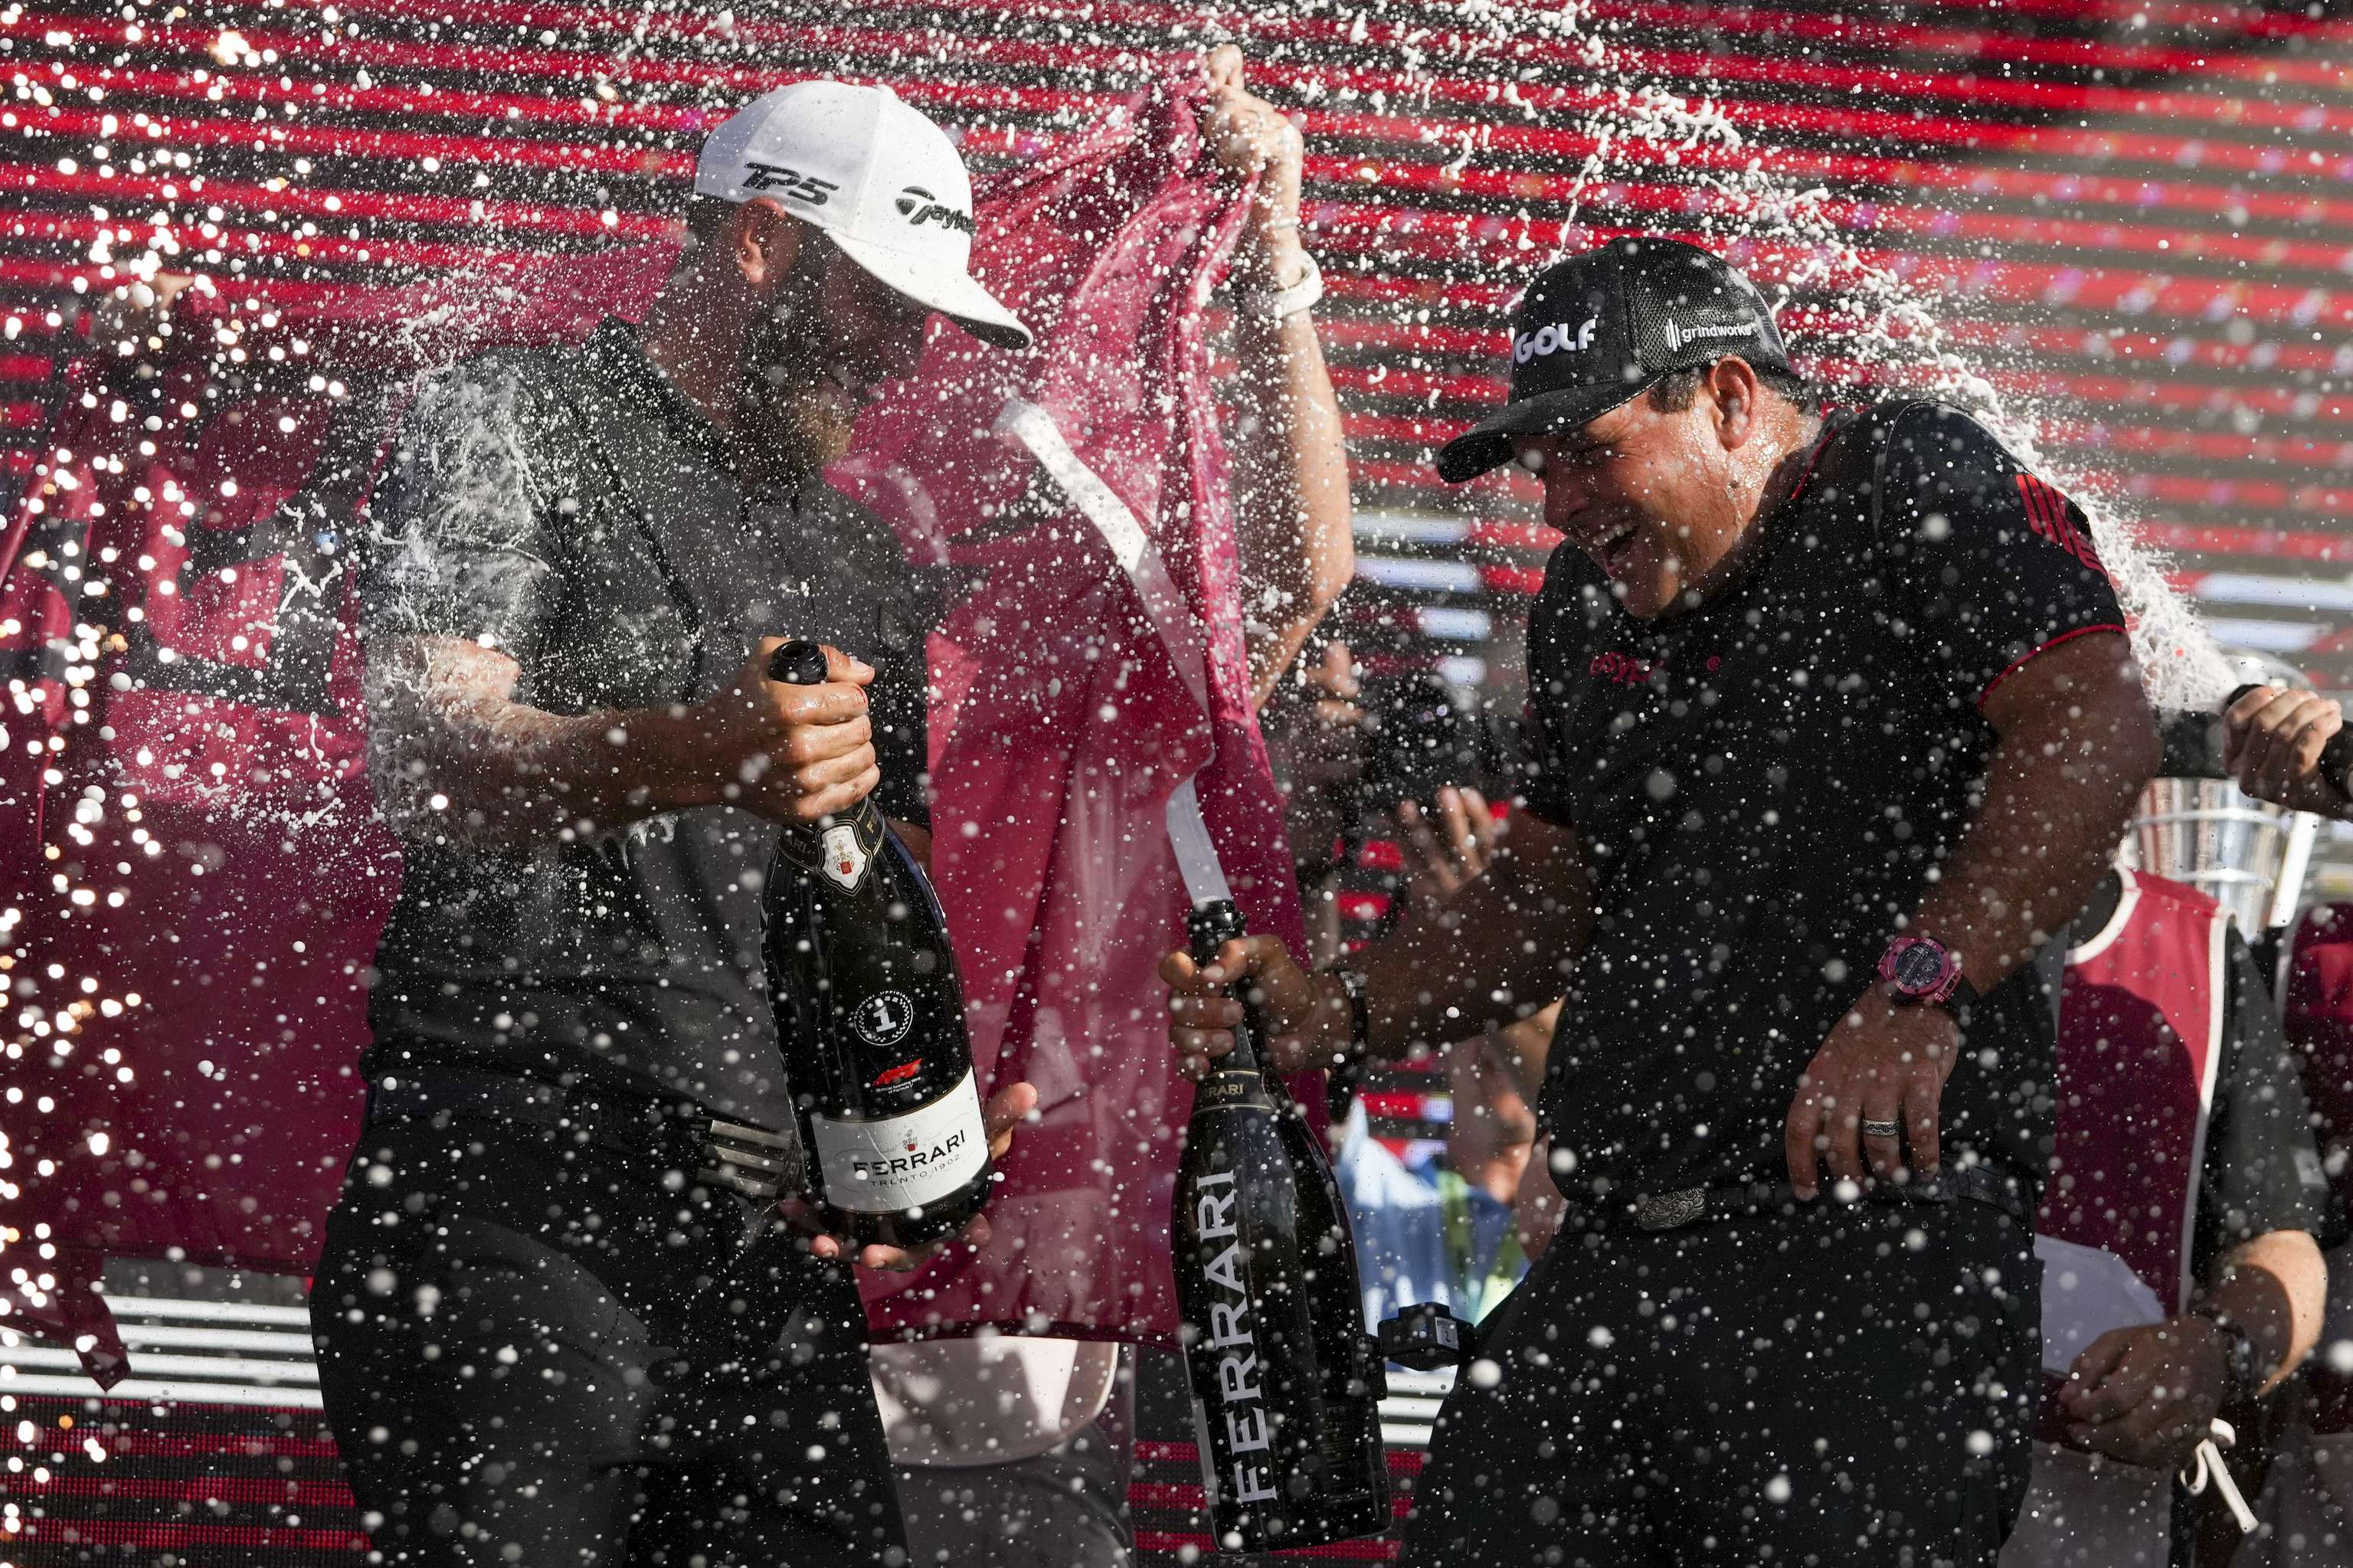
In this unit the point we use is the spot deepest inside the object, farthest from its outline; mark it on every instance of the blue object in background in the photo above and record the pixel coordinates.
(1422, 1234)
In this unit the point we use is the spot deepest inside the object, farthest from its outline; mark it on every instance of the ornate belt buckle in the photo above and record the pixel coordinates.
(751, 1160)
(1669, 1211)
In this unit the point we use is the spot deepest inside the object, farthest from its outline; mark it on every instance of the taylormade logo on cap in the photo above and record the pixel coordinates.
(918, 205)
(885, 185)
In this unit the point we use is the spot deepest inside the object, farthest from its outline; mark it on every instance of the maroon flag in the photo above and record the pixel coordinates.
(1097, 667)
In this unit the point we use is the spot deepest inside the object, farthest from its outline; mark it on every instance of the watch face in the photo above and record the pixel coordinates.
(1918, 967)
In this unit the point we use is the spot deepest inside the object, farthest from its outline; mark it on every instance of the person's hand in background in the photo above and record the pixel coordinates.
(1446, 850)
(2272, 745)
(1315, 729)
(1536, 1206)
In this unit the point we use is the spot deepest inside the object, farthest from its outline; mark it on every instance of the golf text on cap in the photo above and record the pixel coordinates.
(920, 206)
(1679, 334)
(1553, 339)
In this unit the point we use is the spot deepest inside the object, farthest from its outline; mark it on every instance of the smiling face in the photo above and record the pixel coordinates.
(1659, 499)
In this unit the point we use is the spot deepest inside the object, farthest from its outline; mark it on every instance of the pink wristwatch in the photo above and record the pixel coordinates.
(1921, 971)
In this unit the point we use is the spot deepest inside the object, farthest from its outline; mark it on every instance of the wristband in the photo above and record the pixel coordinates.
(1360, 1010)
(2242, 1362)
(1278, 305)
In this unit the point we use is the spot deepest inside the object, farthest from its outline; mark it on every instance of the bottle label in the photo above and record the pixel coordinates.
(842, 851)
(845, 858)
(1239, 1435)
(1231, 1091)
(902, 1162)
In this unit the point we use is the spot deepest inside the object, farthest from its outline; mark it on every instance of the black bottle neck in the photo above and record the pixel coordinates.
(1245, 1056)
(1210, 928)
(862, 818)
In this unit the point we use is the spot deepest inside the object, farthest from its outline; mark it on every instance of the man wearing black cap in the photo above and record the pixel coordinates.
(1831, 724)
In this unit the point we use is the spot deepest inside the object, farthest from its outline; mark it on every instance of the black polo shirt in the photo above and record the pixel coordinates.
(1766, 783)
(577, 511)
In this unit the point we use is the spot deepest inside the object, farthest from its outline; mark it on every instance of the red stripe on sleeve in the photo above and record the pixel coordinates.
(2030, 492)
(2082, 538)
(2029, 657)
(2054, 505)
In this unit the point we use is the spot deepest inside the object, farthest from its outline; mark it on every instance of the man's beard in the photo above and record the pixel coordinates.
(791, 420)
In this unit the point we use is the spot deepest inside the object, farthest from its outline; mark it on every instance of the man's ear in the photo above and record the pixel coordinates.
(762, 240)
(1738, 402)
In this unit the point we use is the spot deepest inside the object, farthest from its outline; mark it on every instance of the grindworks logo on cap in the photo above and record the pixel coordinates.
(1596, 329)
(1680, 337)
(920, 206)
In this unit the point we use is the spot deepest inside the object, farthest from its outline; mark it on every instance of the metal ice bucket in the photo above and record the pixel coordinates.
(2247, 856)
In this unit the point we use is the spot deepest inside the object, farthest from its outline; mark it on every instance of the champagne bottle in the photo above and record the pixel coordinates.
(871, 1014)
(2194, 744)
(1286, 1384)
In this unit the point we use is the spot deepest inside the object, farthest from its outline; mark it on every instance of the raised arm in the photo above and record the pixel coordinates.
(1294, 521)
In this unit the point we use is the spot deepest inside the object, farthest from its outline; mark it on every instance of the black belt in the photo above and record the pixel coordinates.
(1695, 1205)
(752, 1161)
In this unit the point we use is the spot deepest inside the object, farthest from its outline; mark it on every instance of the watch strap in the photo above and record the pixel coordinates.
(1955, 993)
(1352, 988)
(2242, 1362)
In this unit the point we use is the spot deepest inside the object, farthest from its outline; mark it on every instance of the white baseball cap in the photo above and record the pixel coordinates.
(884, 182)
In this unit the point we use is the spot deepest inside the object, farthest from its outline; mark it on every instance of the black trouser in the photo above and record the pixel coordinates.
(524, 1360)
(1840, 1385)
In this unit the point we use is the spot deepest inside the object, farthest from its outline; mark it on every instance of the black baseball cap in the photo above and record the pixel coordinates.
(1597, 329)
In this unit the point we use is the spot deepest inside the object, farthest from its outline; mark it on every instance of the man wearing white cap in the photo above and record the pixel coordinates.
(540, 1338)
